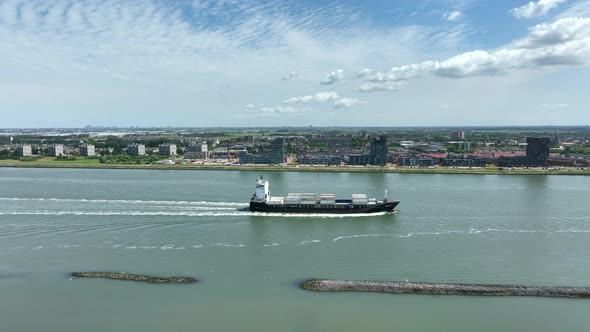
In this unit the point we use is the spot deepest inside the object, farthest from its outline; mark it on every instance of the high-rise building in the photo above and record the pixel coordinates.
(56, 150)
(87, 150)
(136, 150)
(537, 150)
(378, 151)
(167, 149)
(276, 154)
(458, 134)
(24, 151)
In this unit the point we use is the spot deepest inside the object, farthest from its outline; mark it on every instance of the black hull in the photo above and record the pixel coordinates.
(348, 209)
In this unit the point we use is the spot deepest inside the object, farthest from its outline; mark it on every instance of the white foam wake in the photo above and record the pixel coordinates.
(190, 214)
(125, 201)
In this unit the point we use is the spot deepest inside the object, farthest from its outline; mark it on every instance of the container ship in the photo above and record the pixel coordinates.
(262, 201)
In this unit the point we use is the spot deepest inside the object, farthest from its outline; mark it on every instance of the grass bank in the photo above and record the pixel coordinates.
(95, 163)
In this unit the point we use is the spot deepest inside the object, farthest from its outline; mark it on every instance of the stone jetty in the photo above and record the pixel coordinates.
(443, 289)
(135, 277)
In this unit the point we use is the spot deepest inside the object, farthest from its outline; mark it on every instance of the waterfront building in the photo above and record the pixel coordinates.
(197, 151)
(136, 149)
(87, 150)
(464, 162)
(359, 159)
(56, 150)
(275, 155)
(24, 151)
(537, 154)
(537, 150)
(167, 149)
(378, 151)
(418, 161)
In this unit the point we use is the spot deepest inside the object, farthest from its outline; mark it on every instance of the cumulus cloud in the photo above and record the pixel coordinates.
(333, 77)
(453, 16)
(315, 98)
(535, 9)
(291, 75)
(563, 42)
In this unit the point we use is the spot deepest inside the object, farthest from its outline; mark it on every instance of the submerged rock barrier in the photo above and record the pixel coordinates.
(135, 277)
(443, 289)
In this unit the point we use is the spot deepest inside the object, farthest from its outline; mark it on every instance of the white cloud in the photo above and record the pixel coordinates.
(364, 72)
(291, 75)
(315, 98)
(348, 102)
(453, 16)
(555, 106)
(249, 106)
(564, 42)
(381, 86)
(535, 9)
(278, 109)
(332, 77)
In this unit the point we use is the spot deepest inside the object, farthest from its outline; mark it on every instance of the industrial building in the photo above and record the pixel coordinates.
(87, 150)
(55, 150)
(136, 150)
(167, 149)
(24, 151)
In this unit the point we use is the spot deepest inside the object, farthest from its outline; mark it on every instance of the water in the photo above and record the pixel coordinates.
(450, 228)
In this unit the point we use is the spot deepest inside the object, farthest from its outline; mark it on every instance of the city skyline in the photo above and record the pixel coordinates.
(276, 63)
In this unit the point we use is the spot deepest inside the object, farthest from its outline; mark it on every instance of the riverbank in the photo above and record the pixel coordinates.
(95, 164)
(443, 289)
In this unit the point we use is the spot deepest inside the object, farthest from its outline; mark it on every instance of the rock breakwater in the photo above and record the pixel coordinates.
(443, 289)
(135, 277)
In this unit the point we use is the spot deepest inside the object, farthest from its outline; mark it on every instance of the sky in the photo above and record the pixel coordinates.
(252, 63)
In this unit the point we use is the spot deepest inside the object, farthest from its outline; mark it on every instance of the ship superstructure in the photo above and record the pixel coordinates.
(262, 201)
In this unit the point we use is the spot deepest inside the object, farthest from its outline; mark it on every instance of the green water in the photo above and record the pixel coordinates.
(450, 228)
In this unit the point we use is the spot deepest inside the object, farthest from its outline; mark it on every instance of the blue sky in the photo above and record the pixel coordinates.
(208, 63)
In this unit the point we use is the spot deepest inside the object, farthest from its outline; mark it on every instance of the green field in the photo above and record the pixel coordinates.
(81, 162)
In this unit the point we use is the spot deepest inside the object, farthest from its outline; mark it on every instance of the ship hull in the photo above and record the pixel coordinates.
(347, 209)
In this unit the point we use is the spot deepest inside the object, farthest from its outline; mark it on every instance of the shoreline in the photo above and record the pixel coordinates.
(334, 169)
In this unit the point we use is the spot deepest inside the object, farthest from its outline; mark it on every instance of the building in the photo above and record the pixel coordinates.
(460, 145)
(537, 150)
(167, 149)
(378, 151)
(136, 150)
(359, 159)
(464, 162)
(418, 161)
(55, 150)
(24, 151)
(197, 151)
(537, 154)
(275, 155)
(87, 150)
(458, 134)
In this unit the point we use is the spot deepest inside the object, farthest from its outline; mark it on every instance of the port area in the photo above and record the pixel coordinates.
(95, 164)
(393, 287)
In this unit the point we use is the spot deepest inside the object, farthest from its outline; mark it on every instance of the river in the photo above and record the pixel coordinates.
(532, 230)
